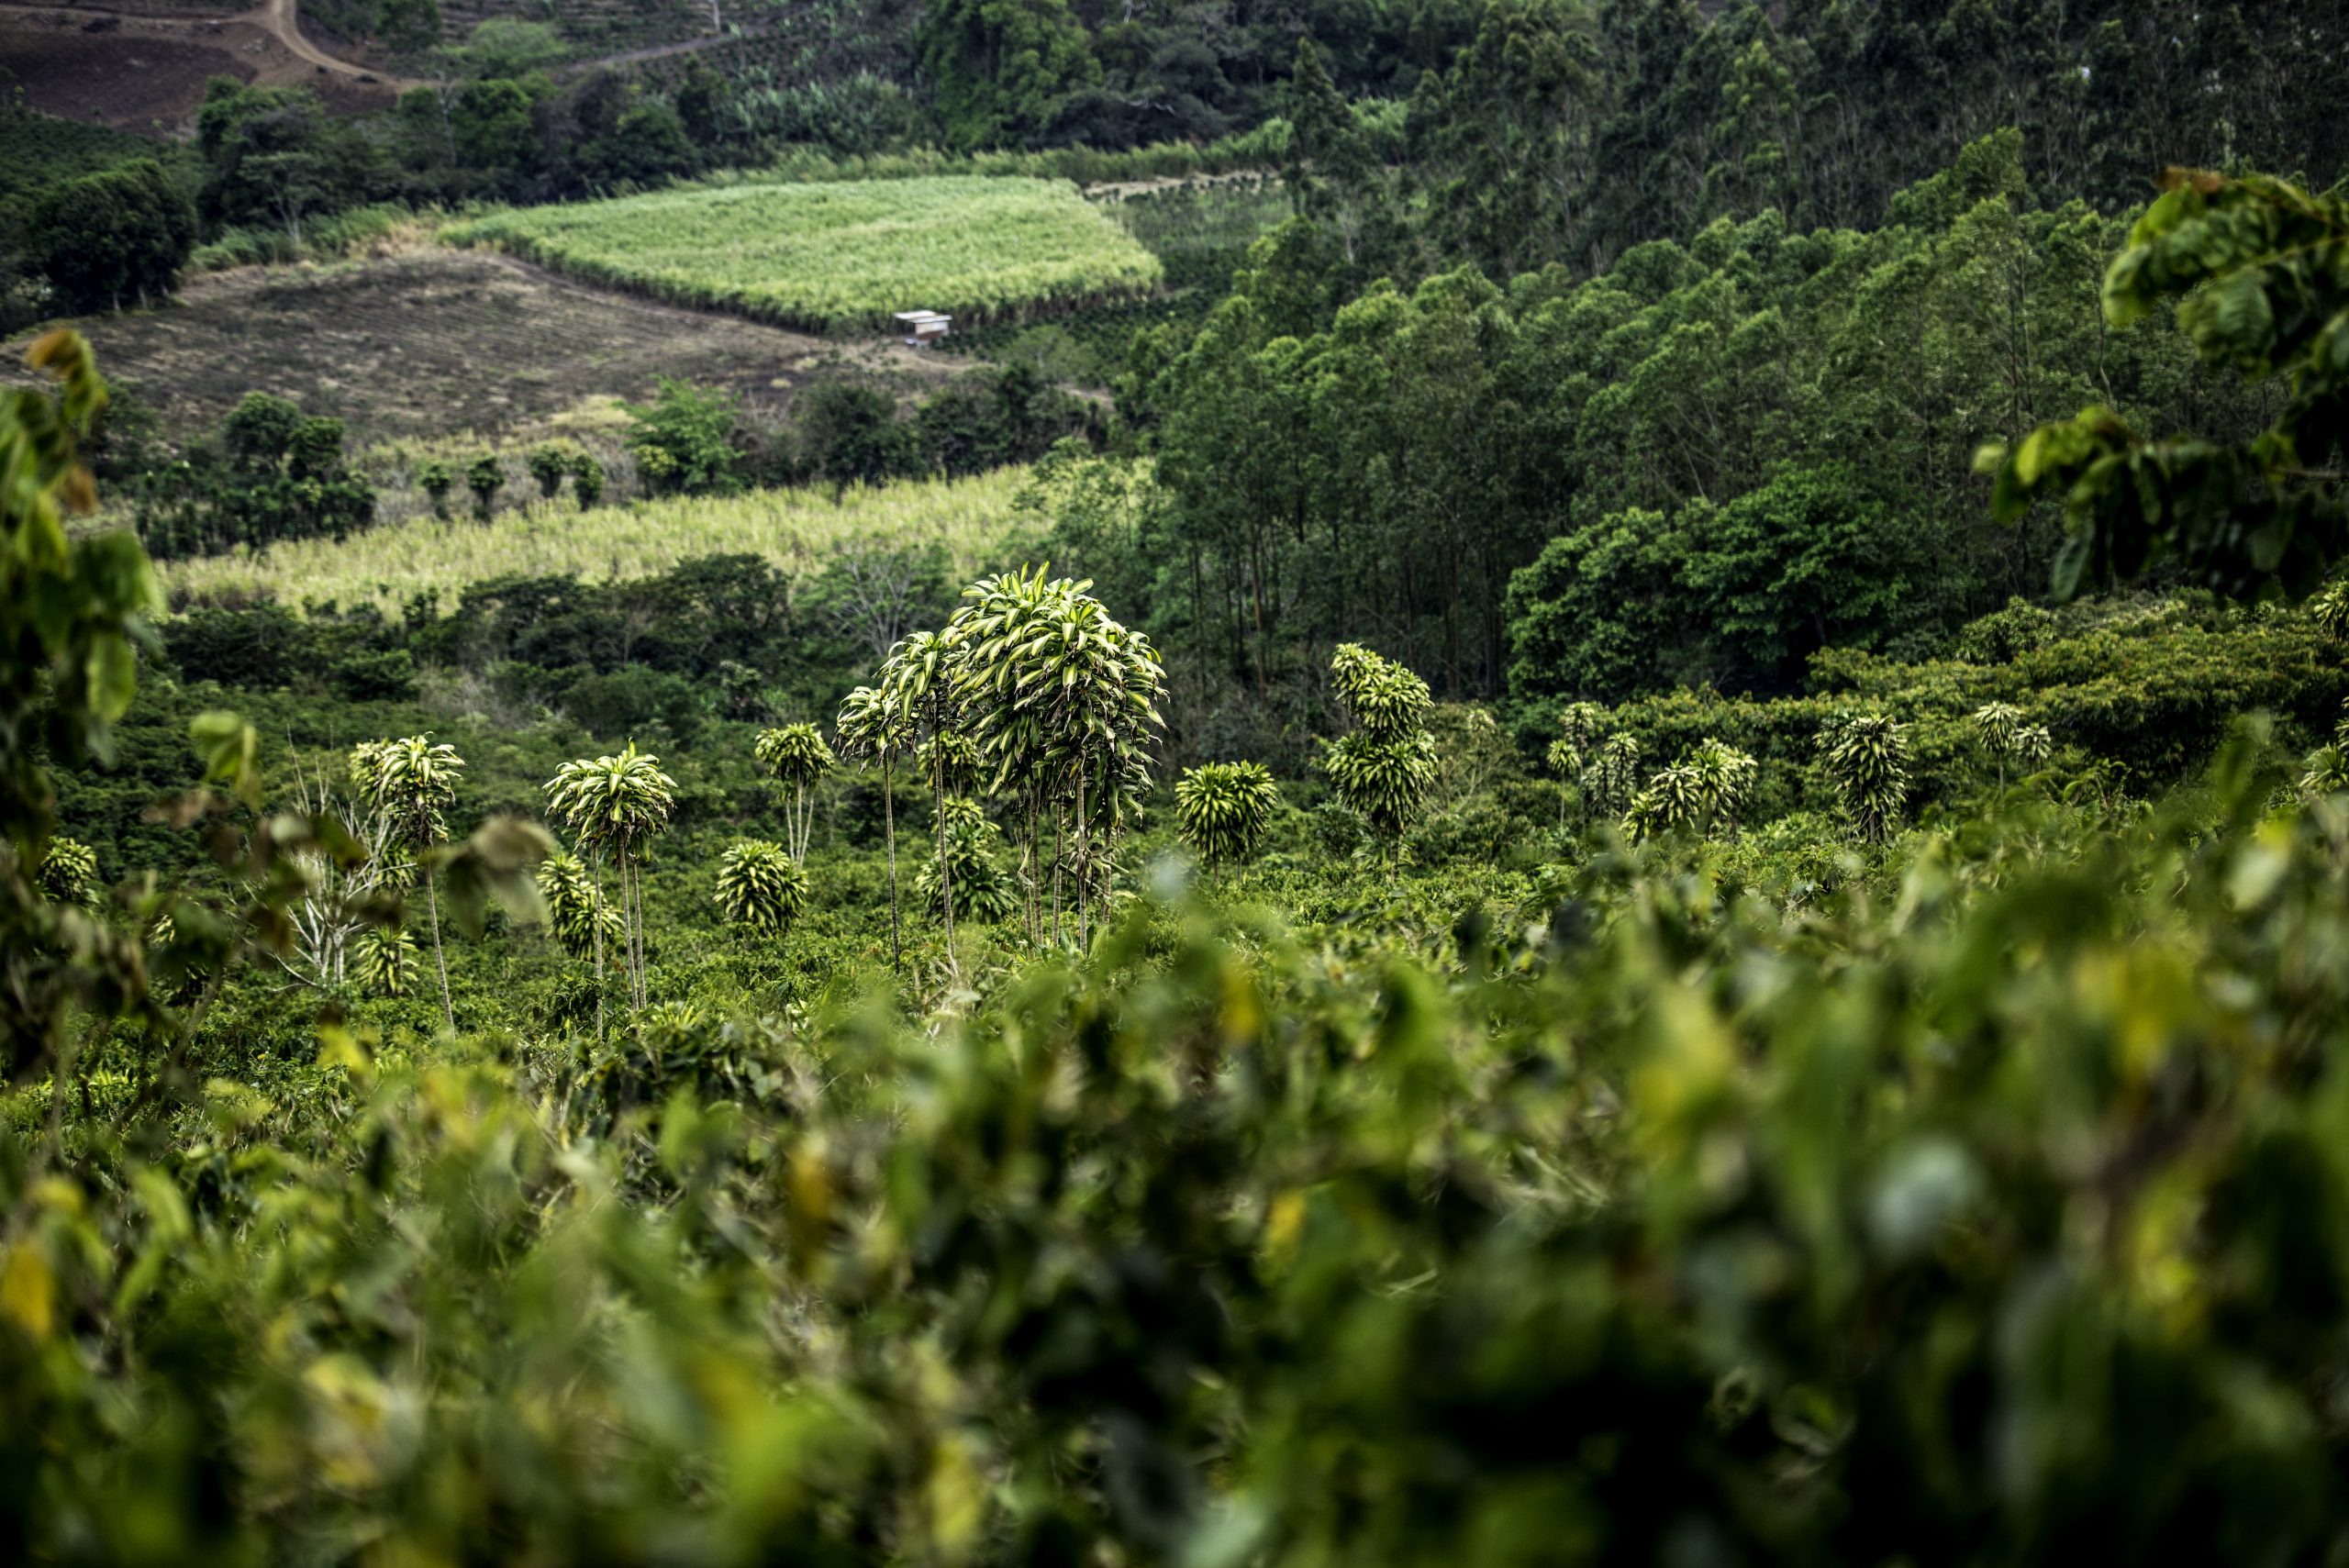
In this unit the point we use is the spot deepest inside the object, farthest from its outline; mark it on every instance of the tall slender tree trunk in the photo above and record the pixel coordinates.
(1084, 868)
(598, 922)
(945, 872)
(432, 903)
(889, 815)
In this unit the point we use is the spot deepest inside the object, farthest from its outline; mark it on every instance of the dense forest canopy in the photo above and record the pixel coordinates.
(1573, 788)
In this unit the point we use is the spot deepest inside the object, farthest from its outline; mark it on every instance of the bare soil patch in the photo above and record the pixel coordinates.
(147, 73)
(436, 342)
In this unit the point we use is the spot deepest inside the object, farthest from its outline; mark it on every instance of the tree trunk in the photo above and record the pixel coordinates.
(432, 903)
(598, 921)
(889, 815)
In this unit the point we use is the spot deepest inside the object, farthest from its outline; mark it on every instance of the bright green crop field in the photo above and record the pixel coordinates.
(845, 254)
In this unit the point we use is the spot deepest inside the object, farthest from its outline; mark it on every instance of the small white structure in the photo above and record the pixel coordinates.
(922, 327)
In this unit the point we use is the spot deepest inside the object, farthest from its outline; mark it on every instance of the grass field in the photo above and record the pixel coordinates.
(842, 254)
(437, 342)
(794, 529)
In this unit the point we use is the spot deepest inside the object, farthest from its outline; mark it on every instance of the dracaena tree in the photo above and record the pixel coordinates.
(761, 885)
(617, 806)
(69, 871)
(1569, 754)
(1222, 808)
(1612, 776)
(1384, 768)
(919, 679)
(387, 961)
(2329, 607)
(1705, 791)
(413, 782)
(1063, 702)
(982, 888)
(1866, 758)
(873, 728)
(1996, 725)
(576, 912)
(795, 757)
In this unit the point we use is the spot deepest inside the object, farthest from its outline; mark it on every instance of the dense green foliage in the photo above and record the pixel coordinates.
(1773, 996)
(268, 474)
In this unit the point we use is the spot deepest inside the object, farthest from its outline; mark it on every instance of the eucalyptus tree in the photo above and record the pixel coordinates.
(1063, 698)
(1222, 808)
(795, 757)
(1866, 758)
(761, 885)
(1384, 768)
(874, 728)
(413, 782)
(617, 806)
(918, 680)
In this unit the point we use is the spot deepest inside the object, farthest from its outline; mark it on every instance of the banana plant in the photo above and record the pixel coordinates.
(795, 757)
(617, 806)
(413, 782)
(873, 727)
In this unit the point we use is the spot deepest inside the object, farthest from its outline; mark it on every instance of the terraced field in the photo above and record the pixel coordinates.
(435, 342)
(842, 254)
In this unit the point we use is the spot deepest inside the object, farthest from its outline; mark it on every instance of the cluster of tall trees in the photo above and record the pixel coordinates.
(1570, 130)
(270, 472)
(1699, 465)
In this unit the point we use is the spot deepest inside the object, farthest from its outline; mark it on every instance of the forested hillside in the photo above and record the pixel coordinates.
(1572, 789)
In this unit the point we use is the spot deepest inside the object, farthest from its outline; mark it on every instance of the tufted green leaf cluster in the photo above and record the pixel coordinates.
(761, 887)
(1221, 809)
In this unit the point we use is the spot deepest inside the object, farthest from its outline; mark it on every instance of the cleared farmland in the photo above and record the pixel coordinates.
(437, 342)
(796, 530)
(841, 254)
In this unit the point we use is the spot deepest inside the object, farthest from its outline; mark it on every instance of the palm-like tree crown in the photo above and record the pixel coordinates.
(617, 802)
(1222, 808)
(761, 887)
(412, 781)
(873, 726)
(794, 754)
